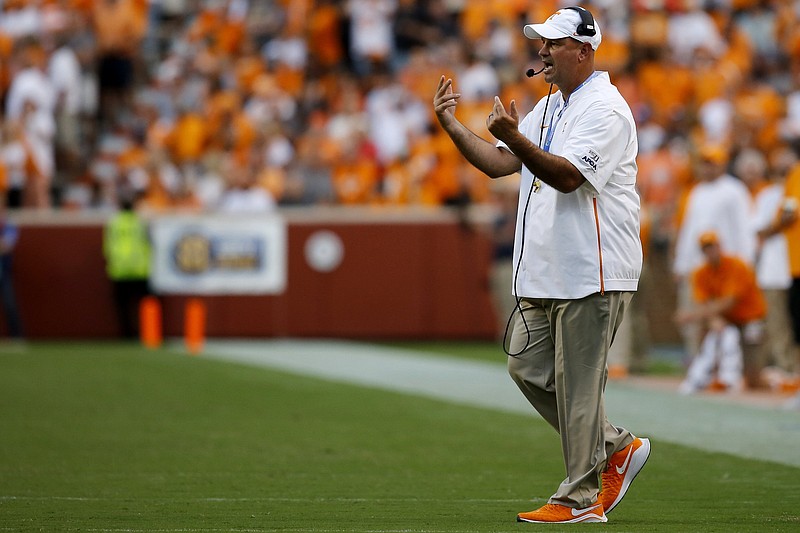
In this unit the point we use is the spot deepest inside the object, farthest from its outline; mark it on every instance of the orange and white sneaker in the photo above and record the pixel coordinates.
(621, 470)
(553, 513)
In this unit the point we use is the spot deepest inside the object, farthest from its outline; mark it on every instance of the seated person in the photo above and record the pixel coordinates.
(731, 308)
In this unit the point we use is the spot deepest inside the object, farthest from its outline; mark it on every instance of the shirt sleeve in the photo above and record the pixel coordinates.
(596, 145)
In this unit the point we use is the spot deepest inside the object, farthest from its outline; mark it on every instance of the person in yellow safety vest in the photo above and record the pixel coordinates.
(126, 247)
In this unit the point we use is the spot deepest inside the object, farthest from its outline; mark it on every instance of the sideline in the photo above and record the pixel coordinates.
(697, 421)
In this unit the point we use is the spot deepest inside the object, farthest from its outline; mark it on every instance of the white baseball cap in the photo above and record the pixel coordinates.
(563, 23)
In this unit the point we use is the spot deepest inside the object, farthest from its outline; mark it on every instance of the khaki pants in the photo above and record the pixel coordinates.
(560, 350)
(779, 349)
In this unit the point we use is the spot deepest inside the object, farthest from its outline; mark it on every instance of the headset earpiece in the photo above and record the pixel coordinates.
(586, 27)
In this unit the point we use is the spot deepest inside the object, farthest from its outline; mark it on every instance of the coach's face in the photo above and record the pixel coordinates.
(562, 58)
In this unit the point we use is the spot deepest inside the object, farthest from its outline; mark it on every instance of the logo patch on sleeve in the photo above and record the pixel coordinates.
(591, 158)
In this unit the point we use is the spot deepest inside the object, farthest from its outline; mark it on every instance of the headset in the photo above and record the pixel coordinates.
(586, 27)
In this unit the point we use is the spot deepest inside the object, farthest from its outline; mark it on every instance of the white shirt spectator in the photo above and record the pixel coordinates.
(479, 82)
(64, 71)
(393, 115)
(761, 27)
(30, 84)
(40, 128)
(279, 151)
(371, 33)
(501, 42)
(287, 50)
(691, 30)
(18, 23)
(790, 125)
(716, 119)
(248, 200)
(772, 268)
(13, 156)
(721, 205)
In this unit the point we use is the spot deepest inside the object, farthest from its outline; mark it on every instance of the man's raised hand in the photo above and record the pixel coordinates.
(445, 100)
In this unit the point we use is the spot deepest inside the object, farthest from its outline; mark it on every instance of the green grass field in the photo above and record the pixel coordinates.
(110, 437)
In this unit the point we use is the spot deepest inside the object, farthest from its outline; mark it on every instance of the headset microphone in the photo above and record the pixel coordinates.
(531, 73)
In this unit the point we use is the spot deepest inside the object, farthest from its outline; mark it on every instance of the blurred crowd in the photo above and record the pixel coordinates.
(188, 103)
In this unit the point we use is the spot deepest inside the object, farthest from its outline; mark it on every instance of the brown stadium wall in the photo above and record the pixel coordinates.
(409, 274)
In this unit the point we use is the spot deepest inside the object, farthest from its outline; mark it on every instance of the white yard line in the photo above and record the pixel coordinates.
(764, 433)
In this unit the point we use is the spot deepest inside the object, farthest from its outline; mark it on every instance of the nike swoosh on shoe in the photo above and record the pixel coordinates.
(625, 464)
(578, 512)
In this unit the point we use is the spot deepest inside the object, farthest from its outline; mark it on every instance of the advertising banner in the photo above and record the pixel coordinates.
(219, 254)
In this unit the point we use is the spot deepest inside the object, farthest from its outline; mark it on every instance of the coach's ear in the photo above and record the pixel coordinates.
(585, 53)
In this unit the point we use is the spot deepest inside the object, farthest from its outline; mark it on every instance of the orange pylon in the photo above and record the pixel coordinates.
(195, 325)
(150, 332)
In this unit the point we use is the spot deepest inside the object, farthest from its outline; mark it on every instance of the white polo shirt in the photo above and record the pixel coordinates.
(586, 241)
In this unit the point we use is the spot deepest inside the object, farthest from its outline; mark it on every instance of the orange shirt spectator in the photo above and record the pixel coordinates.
(134, 155)
(441, 181)
(663, 178)
(398, 183)
(297, 13)
(760, 107)
(732, 279)
(541, 10)
(739, 53)
(274, 180)
(743, 4)
(710, 76)
(792, 232)
(229, 128)
(156, 198)
(315, 145)
(477, 14)
(6, 48)
(475, 19)
(3, 180)
(224, 34)
(613, 55)
(83, 6)
(667, 87)
(249, 66)
(649, 28)
(476, 184)
(188, 139)
(356, 173)
(324, 30)
(420, 76)
(119, 25)
(186, 200)
(229, 36)
(525, 93)
(354, 181)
